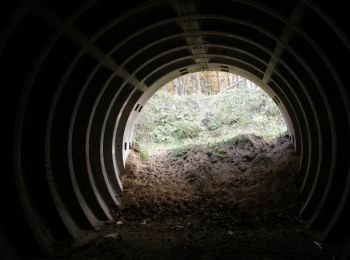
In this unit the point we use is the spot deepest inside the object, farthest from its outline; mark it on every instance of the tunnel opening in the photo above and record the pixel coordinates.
(199, 127)
(206, 107)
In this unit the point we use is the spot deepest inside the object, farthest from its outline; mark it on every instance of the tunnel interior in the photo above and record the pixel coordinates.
(76, 75)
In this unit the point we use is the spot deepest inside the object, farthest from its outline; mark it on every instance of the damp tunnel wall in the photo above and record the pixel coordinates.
(75, 75)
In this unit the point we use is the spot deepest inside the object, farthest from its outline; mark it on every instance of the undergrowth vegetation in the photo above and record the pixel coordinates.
(171, 121)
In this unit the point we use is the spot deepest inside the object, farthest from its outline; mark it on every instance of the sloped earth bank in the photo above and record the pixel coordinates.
(236, 200)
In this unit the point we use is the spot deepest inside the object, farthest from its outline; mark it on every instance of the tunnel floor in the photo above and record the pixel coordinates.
(234, 200)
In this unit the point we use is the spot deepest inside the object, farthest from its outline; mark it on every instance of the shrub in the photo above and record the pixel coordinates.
(144, 154)
(186, 129)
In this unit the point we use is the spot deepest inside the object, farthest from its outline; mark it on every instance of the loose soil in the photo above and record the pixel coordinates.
(235, 200)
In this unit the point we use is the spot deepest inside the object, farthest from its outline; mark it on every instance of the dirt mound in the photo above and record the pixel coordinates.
(243, 181)
(235, 200)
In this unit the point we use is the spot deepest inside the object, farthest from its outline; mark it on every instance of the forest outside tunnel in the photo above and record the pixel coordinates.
(75, 76)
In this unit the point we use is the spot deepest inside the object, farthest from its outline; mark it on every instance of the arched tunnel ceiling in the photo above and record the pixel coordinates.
(76, 74)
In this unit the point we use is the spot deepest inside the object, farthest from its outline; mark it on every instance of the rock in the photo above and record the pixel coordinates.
(114, 235)
(249, 157)
(230, 233)
(120, 222)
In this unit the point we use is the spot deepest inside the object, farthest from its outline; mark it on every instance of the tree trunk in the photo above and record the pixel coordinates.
(175, 86)
(198, 83)
(183, 86)
(206, 84)
(231, 80)
(218, 79)
(193, 85)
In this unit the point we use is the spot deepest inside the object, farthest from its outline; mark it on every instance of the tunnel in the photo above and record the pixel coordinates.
(75, 75)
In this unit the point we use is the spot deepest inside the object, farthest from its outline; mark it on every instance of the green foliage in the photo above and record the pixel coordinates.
(186, 129)
(219, 155)
(170, 121)
(144, 153)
